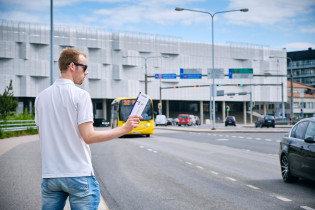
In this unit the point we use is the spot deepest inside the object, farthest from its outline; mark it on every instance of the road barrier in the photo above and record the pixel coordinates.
(17, 125)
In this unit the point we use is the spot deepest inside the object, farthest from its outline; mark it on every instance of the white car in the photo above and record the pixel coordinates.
(160, 120)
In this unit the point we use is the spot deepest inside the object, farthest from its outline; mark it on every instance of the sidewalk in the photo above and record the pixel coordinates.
(221, 128)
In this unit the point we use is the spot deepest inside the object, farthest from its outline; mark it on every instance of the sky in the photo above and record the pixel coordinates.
(276, 24)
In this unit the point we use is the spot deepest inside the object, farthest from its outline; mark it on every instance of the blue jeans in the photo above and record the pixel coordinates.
(83, 192)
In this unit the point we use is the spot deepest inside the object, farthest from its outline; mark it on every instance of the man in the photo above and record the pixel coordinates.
(64, 119)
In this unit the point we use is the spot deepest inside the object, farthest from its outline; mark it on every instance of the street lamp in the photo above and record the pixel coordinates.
(146, 68)
(291, 84)
(212, 91)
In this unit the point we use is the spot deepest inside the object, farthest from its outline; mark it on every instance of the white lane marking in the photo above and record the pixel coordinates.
(258, 138)
(307, 208)
(214, 172)
(234, 136)
(278, 141)
(267, 139)
(253, 187)
(220, 135)
(241, 137)
(141, 147)
(149, 150)
(221, 139)
(230, 178)
(155, 151)
(209, 134)
(227, 136)
(283, 198)
(200, 167)
(188, 163)
(249, 138)
(247, 150)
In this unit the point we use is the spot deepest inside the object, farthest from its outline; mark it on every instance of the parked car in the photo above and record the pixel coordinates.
(169, 121)
(184, 119)
(197, 120)
(265, 121)
(297, 151)
(160, 120)
(175, 121)
(230, 120)
(192, 119)
(101, 123)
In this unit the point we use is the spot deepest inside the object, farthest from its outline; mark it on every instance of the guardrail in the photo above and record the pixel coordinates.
(282, 121)
(17, 125)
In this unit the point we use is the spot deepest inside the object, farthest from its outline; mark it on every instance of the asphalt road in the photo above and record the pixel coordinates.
(191, 170)
(169, 170)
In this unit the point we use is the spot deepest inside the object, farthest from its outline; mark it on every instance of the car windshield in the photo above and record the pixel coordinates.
(269, 118)
(183, 117)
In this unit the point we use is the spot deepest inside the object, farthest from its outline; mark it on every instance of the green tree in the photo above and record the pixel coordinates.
(7, 103)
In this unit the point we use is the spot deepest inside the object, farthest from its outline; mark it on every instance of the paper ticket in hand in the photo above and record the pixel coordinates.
(140, 104)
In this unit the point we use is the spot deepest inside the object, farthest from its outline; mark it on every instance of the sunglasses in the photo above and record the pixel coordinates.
(79, 64)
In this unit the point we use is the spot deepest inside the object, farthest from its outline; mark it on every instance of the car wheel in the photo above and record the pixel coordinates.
(148, 135)
(285, 170)
(261, 126)
(273, 126)
(225, 125)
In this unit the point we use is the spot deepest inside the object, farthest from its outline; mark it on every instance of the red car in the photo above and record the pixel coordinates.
(184, 119)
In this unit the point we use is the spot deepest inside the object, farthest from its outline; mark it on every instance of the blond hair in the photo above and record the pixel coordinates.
(67, 56)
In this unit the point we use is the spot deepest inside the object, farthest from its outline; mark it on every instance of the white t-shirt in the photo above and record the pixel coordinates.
(59, 110)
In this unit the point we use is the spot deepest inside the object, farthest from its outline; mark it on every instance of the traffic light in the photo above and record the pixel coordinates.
(240, 85)
(218, 85)
(227, 108)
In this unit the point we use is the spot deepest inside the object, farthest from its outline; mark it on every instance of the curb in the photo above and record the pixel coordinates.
(199, 130)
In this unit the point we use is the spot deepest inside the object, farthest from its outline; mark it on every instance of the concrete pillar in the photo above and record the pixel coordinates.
(201, 112)
(167, 108)
(223, 111)
(265, 108)
(244, 111)
(105, 110)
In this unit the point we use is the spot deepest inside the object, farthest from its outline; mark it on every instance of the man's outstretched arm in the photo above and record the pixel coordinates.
(91, 136)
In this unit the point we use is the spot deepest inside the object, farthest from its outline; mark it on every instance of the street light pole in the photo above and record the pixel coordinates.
(291, 84)
(51, 42)
(212, 89)
(145, 68)
(291, 88)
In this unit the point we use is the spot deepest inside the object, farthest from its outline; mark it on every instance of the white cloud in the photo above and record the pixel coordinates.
(269, 11)
(299, 46)
(308, 29)
(22, 16)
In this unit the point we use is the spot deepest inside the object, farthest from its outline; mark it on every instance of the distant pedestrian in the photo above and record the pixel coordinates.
(64, 119)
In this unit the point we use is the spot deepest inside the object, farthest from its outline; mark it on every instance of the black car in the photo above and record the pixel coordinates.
(230, 120)
(297, 151)
(265, 121)
(101, 123)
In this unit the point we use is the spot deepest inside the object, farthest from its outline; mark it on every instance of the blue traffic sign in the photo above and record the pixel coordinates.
(190, 74)
(165, 76)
